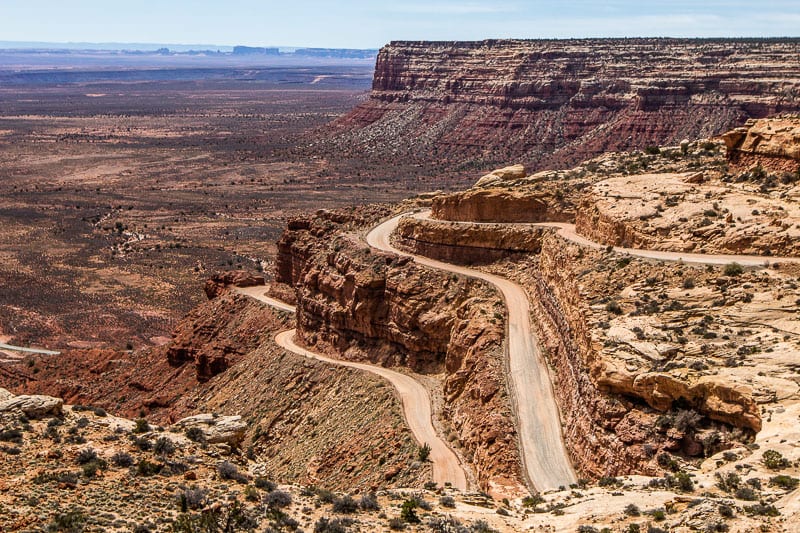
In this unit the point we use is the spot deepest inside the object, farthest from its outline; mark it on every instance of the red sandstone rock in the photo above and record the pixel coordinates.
(217, 284)
(551, 104)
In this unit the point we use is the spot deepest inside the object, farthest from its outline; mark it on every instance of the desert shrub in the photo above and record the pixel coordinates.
(141, 426)
(336, 525)
(228, 470)
(686, 420)
(746, 493)
(192, 498)
(195, 434)
(728, 482)
(369, 502)
(251, 494)
(587, 529)
(278, 499)
(481, 526)
(652, 150)
(70, 522)
(688, 283)
(445, 524)
(11, 435)
(234, 517)
(761, 509)
(733, 269)
(614, 307)
(632, 510)
(10, 450)
(607, 481)
(265, 484)
(142, 528)
(99, 411)
(424, 452)
(164, 446)
(86, 455)
(774, 460)
(408, 512)
(142, 443)
(726, 511)
(122, 459)
(345, 505)
(421, 502)
(784, 482)
(658, 515)
(450, 502)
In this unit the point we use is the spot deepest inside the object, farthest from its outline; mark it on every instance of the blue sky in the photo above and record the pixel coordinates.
(370, 24)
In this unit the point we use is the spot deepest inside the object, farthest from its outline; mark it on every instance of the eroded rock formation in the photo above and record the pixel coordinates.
(772, 144)
(551, 104)
(362, 304)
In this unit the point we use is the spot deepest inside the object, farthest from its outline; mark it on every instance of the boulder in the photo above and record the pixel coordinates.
(5, 395)
(216, 429)
(35, 406)
(511, 173)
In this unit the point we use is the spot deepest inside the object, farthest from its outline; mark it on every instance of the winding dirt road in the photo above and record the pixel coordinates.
(568, 232)
(414, 396)
(546, 462)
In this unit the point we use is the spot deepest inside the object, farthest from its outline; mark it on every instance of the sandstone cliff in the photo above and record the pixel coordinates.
(551, 104)
(361, 304)
(772, 144)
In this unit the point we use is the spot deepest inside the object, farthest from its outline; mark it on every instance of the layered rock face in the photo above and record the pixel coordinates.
(551, 104)
(360, 304)
(474, 244)
(771, 144)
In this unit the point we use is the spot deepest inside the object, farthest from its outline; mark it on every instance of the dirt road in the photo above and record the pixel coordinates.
(414, 396)
(547, 465)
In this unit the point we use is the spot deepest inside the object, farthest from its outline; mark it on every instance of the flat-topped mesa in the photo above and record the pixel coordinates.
(551, 104)
(772, 144)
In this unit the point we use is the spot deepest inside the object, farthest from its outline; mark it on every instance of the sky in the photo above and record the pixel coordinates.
(370, 24)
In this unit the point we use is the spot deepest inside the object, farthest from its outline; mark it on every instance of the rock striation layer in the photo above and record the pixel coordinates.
(550, 104)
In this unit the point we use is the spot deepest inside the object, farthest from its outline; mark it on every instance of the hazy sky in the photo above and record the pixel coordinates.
(370, 24)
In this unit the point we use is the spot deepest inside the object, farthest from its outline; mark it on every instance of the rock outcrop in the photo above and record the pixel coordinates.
(215, 429)
(217, 284)
(551, 104)
(361, 304)
(215, 336)
(772, 144)
(32, 406)
(471, 244)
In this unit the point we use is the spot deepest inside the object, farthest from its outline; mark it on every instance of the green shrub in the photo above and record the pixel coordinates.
(424, 452)
(632, 510)
(408, 512)
(733, 269)
(774, 460)
(784, 482)
(141, 426)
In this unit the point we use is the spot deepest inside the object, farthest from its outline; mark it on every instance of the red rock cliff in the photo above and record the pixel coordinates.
(550, 104)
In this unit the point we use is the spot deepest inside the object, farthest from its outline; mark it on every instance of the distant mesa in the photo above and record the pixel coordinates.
(255, 51)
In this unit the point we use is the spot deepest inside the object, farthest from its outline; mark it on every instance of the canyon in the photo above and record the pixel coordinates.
(660, 286)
